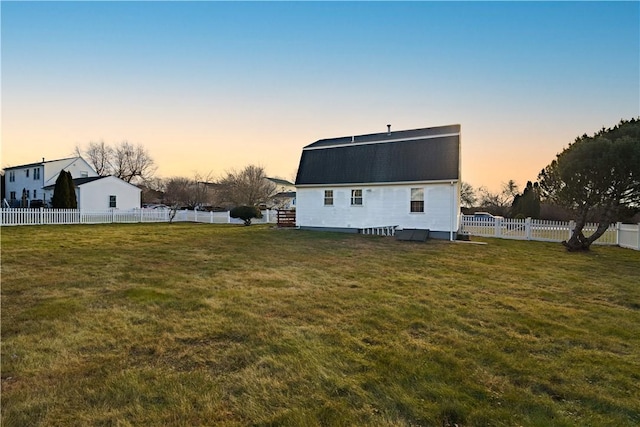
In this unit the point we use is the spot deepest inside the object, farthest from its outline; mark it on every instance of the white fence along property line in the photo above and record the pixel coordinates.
(624, 235)
(44, 216)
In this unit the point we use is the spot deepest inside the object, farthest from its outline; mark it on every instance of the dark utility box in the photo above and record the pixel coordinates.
(412, 235)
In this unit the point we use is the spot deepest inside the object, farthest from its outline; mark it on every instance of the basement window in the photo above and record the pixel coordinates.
(417, 200)
(356, 197)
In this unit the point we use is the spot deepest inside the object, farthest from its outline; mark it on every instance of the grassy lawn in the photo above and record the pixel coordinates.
(186, 324)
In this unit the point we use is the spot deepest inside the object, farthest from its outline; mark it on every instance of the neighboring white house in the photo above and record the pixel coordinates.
(285, 197)
(409, 179)
(101, 193)
(26, 182)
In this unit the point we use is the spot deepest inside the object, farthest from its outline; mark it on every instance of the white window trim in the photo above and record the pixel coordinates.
(353, 197)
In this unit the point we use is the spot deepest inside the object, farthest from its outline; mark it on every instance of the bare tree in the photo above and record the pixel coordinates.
(126, 161)
(467, 195)
(190, 192)
(248, 187)
(99, 155)
(130, 162)
(499, 203)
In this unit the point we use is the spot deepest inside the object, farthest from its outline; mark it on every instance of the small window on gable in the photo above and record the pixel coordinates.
(417, 200)
(356, 197)
(112, 201)
(328, 197)
(84, 174)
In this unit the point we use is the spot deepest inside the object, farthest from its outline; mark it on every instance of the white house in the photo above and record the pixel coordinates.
(26, 182)
(285, 197)
(409, 179)
(101, 193)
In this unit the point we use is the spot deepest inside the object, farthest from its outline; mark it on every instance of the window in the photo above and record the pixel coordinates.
(417, 200)
(112, 201)
(356, 197)
(12, 195)
(12, 176)
(27, 171)
(35, 194)
(36, 173)
(84, 174)
(328, 197)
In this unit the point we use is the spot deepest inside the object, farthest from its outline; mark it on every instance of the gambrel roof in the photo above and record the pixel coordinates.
(417, 155)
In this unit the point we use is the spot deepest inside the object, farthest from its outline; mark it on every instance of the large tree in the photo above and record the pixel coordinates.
(125, 160)
(248, 187)
(598, 177)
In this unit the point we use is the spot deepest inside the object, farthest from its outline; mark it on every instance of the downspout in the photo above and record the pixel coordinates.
(451, 212)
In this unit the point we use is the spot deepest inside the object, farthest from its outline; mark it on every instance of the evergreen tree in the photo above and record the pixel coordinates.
(527, 204)
(599, 176)
(73, 200)
(60, 199)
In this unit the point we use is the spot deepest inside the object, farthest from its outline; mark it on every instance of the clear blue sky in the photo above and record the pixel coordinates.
(211, 86)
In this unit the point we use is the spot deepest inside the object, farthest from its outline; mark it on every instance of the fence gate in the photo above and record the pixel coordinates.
(286, 218)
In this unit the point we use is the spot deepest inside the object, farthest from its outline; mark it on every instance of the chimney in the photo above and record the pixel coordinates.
(388, 129)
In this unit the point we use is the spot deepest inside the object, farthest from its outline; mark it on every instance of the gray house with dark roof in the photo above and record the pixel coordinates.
(406, 179)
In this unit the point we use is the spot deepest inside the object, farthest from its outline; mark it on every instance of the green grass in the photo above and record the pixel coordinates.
(186, 324)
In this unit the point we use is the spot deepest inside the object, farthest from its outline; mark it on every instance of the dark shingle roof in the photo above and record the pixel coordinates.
(78, 181)
(430, 154)
(39, 163)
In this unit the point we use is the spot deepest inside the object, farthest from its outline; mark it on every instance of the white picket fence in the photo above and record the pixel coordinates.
(44, 216)
(624, 235)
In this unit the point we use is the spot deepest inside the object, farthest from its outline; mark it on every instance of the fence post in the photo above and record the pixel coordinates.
(638, 235)
(141, 212)
(41, 215)
(618, 226)
(527, 228)
(572, 226)
(228, 217)
(498, 231)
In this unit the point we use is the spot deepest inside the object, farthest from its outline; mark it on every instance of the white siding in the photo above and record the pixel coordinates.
(94, 195)
(49, 172)
(22, 181)
(382, 206)
(78, 167)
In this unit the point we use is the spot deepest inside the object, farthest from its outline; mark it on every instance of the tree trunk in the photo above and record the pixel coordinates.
(578, 241)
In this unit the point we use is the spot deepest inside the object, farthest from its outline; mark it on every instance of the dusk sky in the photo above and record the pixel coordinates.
(213, 86)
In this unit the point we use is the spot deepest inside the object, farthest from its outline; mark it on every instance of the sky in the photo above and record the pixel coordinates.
(209, 87)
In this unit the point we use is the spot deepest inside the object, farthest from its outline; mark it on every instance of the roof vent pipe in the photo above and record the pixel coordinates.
(388, 129)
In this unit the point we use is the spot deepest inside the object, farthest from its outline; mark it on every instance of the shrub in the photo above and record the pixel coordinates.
(245, 213)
